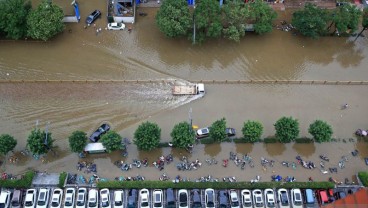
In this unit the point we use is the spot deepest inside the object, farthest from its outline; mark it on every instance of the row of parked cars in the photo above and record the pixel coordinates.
(158, 198)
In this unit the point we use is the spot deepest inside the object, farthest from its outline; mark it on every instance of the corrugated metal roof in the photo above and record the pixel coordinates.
(357, 200)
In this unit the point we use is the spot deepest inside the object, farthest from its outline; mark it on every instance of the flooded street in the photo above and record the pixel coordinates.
(80, 54)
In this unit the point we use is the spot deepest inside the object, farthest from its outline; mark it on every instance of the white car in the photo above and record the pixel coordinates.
(31, 197)
(296, 198)
(202, 133)
(246, 198)
(257, 198)
(283, 198)
(143, 198)
(92, 198)
(234, 199)
(115, 26)
(269, 198)
(5, 199)
(69, 198)
(157, 198)
(183, 198)
(81, 198)
(105, 198)
(118, 199)
(43, 198)
(57, 196)
(209, 198)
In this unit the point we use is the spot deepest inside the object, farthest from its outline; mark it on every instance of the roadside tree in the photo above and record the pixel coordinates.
(235, 16)
(77, 141)
(13, 18)
(311, 21)
(218, 130)
(346, 18)
(262, 16)
(112, 141)
(364, 22)
(321, 131)
(287, 129)
(182, 135)
(7, 143)
(37, 142)
(147, 136)
(45, 21)
(252, 131)
(207, 19)
(173, 18)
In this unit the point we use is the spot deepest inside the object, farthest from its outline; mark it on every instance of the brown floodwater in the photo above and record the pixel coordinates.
(145, 53)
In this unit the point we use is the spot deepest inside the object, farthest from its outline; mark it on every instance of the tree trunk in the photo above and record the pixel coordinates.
(364, 28)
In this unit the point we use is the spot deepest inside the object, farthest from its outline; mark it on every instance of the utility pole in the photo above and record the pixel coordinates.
(190, 120)
(194, 27)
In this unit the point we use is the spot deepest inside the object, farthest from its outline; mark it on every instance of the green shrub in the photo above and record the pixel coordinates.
(270, 140)
(24, 182)
(252, 130)
(62, 178)
(303, 140)
(287, 129)
(208, 140)
(363, 176)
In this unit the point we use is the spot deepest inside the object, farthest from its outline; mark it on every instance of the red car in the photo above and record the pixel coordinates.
(322, 197)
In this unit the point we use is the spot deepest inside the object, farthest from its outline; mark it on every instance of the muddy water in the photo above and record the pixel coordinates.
(145, 53)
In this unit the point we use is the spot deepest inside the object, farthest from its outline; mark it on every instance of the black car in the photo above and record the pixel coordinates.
(93, 16)
(340, 195)
(100, 131)
(170, 198)
(196, 197)
(132, 198)
(223, 199)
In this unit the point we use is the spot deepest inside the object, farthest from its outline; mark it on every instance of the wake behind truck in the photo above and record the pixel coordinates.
(192, 89)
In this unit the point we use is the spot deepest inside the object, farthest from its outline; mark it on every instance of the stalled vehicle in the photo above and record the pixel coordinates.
(116, 26)
(93, 16)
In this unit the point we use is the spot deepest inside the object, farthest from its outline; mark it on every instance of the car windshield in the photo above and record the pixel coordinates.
(234, 203)
(158, 204)
(204, 131)
(210, 204)
(105, 204)
(80, 203)
(15, 204)
(247, 204)
(54, 204)
(68, 203)
(144, 204)
(118, 203)
(2, 205)
(41, 203)
(29, 203)
(92, 204)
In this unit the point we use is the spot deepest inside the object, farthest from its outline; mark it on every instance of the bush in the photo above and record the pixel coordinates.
(218, 130)
(252, 131)
(112, 141)
(321, 131)
(147, 136)
(77, 141)
(287, 129)
(363, 176)
(303, 140)
(25, 182)
(208, 140)
(62, 178)
(182, 135)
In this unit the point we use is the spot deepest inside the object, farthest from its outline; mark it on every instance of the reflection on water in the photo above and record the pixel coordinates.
(244, 148)
(274, 149)
(304, 150)
(212, 150)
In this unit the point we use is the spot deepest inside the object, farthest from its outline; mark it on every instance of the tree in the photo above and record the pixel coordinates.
(262, 16)
(77, 141)
(252, 131)
(311, 21)
(321, 131)
(287, 129)
(207, 18)
(7, 143)
(13, 18)
(346, 18)
(37, 142)
(112, 141)
(364, 22)
(45, 21)
(147, 136)
(236, 15)
(182, 135)
(218, 130)
(173, 18)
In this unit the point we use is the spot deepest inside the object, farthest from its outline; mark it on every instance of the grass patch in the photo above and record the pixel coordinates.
(24, 182)
(62, 178)
(363, 176)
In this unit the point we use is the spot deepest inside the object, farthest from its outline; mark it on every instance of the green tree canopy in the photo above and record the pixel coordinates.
(321, 131)
(262, 16)
(112, 141)
(147, 136)
(7, 143)
(173, 18)
(182, 135)
(364, 22)
(311, 21)
(37, 142)
(13, 18)
(45, 21)
(287, 129)
(218, 130)
(207, 17)
(77, 141)
(346, 18)
(252, 131)
(235, 17)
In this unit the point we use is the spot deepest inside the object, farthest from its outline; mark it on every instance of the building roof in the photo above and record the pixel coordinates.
(357, 200)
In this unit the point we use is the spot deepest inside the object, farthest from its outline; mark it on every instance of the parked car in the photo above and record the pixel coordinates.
(257, 198)
(93, 16)
(81, 198)
(56, 198)
(99, 132)
(322, 197)
(144, 198)
(69, 198)
(230, 132)
(246, 198)
(132, 198)
(92, 198)
(16, 201)
(170, 198)
(223, 199)
(31, 197)
(43, 198)
(196, 198)
(269, 198)
(202, 133)
(340, 195)
(234, 199)
(105, 198)
(157, 198)
(115, 26)
(309, 198)
(118, 199)
(209, 196)
(296, 198)
(5, 197)
(183, 198)
(283, 198)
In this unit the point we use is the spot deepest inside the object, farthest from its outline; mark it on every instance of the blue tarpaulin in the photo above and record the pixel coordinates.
(76, 9)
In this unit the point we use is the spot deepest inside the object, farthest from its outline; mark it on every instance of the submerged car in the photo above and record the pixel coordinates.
(99, 132)
(93, 16)
(116, 26)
